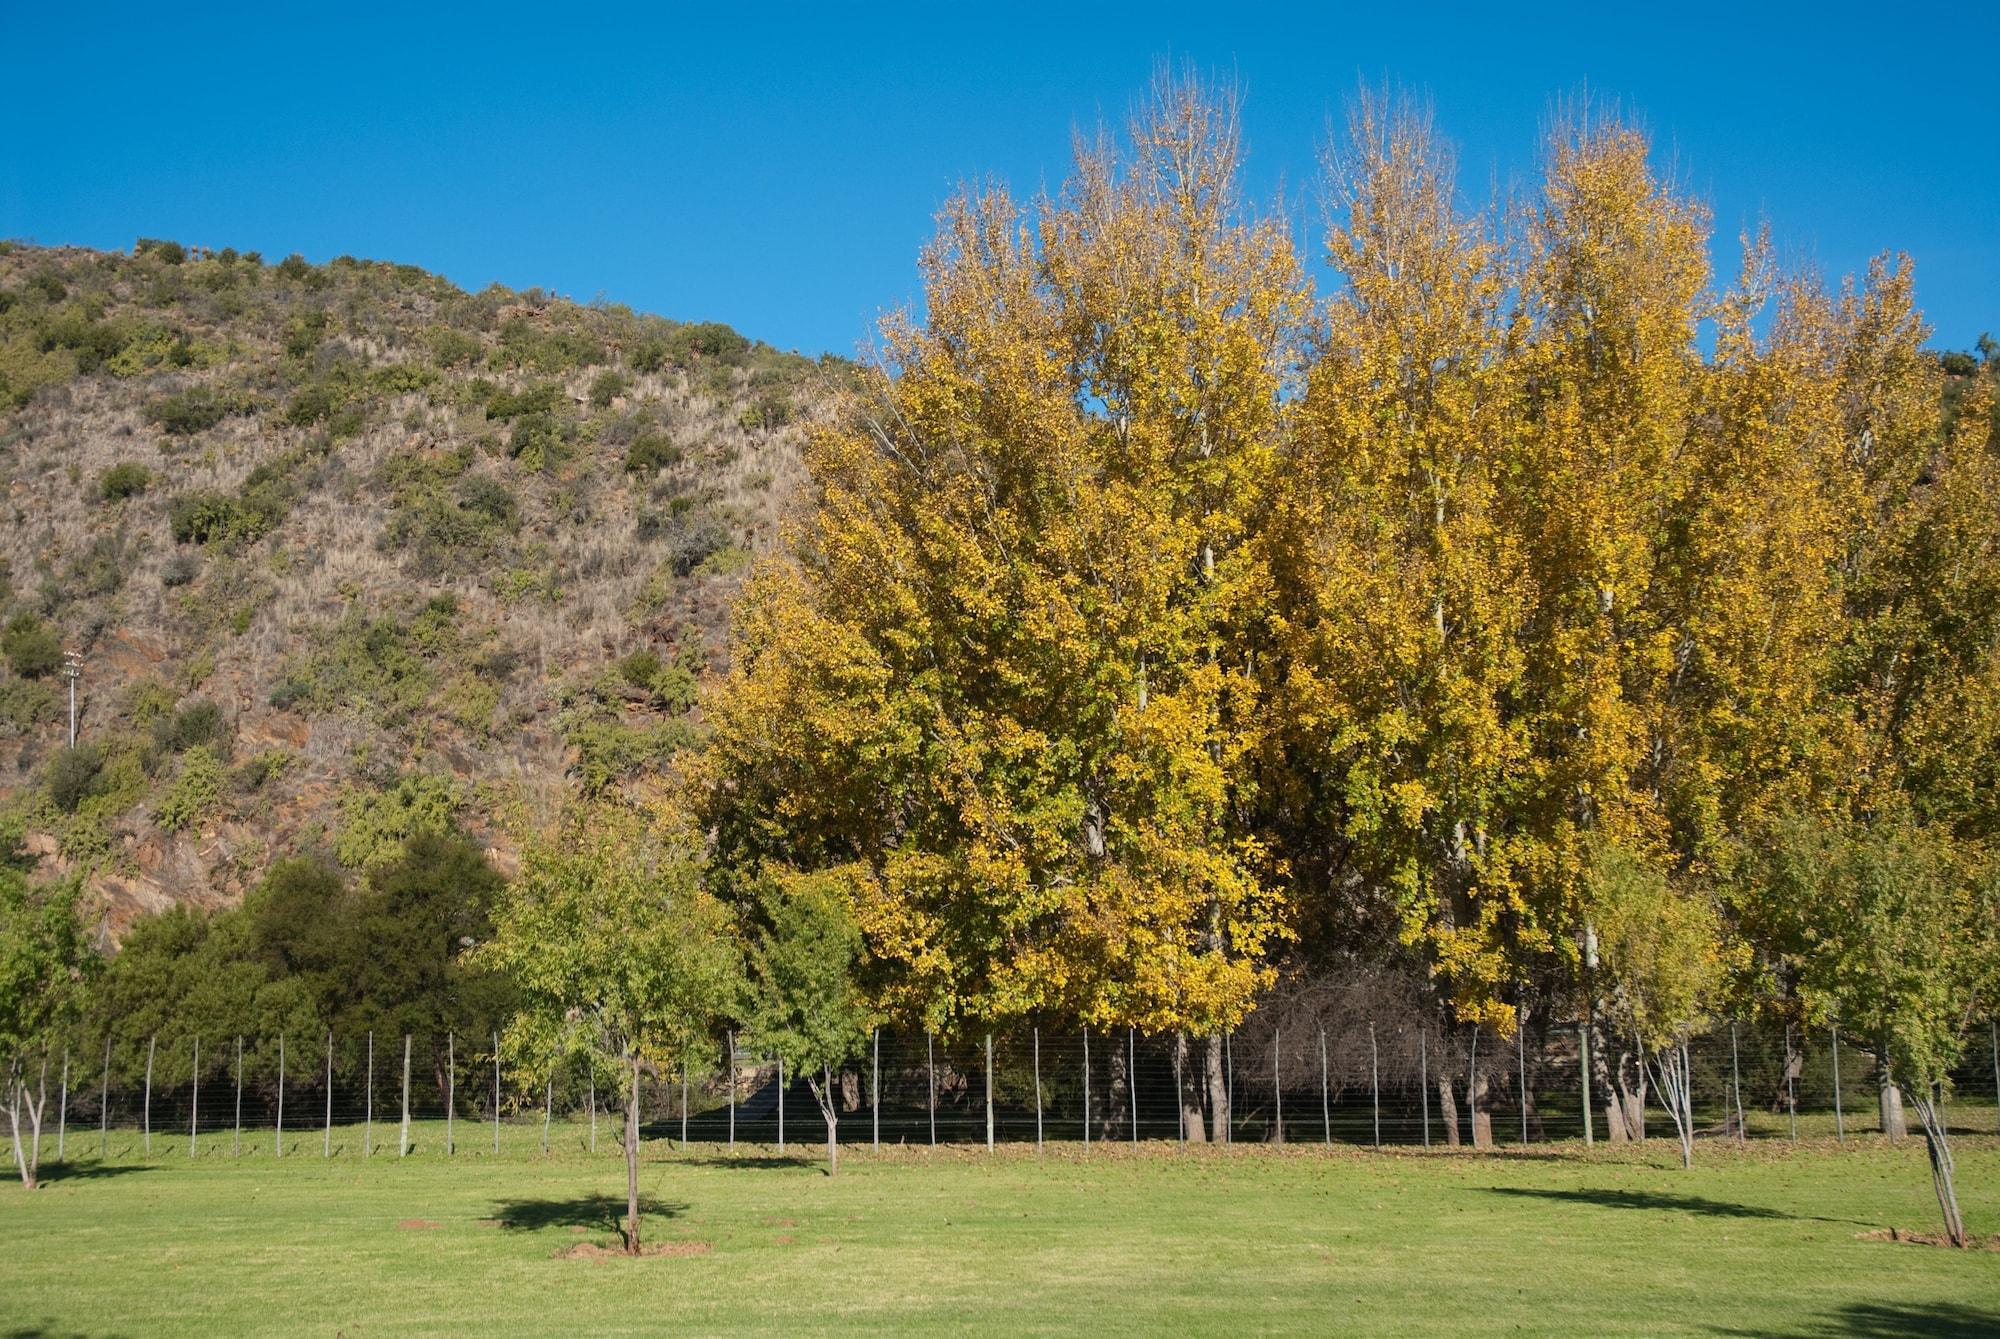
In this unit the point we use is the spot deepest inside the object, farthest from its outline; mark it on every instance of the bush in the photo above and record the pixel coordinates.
(203, 517)
(303, 334)
(538, 397)
(180, 569)
(197, 724)
(72, 776)
(453, 348)
(173, 253)
(640, 667)
(650, 453)
(126, 479)
(31, 646)
(194, 794)
(606, 387)
(193, 410)
(376, 825)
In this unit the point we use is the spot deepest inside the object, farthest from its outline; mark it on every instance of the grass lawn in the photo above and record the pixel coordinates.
(1761, 1241)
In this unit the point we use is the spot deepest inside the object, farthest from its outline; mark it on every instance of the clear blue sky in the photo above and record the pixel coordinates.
(778, 169)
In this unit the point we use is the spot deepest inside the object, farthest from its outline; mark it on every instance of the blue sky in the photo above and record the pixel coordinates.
(779, 169)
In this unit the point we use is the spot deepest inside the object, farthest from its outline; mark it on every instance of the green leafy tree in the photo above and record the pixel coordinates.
(1892, 936)
(618, 952)
(45, 966)
(806, 1006)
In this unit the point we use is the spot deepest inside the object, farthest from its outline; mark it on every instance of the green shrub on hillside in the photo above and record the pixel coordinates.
(31, 646)
(198, 724)
(607, 386)
(651, 452)
(71, 776)
(194, 794)
(173, 253)
(126, 479)
(375, 825)
(195, 409)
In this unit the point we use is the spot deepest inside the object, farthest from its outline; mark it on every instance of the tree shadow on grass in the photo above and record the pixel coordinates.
(49, 1332)
(1887, 1320)
(597, 1212)
(769, 1162)
(1650, 1199)
(52, 1172)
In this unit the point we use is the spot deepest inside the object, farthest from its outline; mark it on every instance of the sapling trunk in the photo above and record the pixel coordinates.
(632, 1163)
(822, 1091)
(1939, 1148)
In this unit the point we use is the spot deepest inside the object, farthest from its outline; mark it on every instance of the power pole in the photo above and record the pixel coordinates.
(72, 669)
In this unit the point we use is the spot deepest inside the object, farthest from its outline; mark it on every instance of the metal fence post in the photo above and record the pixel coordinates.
(1277, 1091)
(278, 1137)
(1839, 1120)
(1736, 1084)
(104, 1106)
(989, 1092)
(684, 1101)
(496, 1094)
(403, 1141)
(549, 1109)
(327, 1149)
(1180, 1089)
(62, 1110)
(1583, 1064)
(1424, 1078)
(875, 1095)
(1132, 1083)
(1375, 1081)
(450, 1093)
(1325, 1092)
(194, 1098)
(1228, 1089)
(590, 1096)
(1521, 1059)
(1086, 1087)
(1038, 1087)
(732, 1091)
(238, 1151)
(148, 1111)
(368, 1103)
(781, 1104)
(930, 1069)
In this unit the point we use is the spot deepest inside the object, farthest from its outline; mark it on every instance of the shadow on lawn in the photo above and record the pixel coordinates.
(586, 1211)
(45, 1332)
(1889, 1320)
(52, 1172)
(1648, 1199)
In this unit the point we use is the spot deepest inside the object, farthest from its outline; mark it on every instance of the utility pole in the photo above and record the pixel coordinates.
(72, 670)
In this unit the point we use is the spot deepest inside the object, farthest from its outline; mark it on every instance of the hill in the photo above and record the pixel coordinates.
(347, 551)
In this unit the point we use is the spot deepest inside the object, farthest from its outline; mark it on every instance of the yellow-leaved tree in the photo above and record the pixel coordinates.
(1009, 680)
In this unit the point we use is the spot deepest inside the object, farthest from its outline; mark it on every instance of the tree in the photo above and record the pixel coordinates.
(1010, 676)
(30, 646)
(806, 1006)
(1662, 963)
(45, 966)
(1898, 943)
(618, 951)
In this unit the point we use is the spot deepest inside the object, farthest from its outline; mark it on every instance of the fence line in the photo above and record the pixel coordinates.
(1376, 1081)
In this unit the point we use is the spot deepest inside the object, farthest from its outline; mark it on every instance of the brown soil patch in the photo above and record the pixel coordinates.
(1927, 1239)
(591, 1250)
(419, 1224)
(783, 1239)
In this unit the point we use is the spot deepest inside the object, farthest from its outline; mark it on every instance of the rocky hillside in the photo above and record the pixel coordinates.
(348, 552)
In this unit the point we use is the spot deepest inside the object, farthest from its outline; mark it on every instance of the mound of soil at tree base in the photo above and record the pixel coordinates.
(591, 1250)
(1927, 1239)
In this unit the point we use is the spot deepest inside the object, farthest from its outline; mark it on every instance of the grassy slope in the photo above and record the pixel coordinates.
(1761, 1242)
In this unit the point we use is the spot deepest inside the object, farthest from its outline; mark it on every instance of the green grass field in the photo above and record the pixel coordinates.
(1758, 1241)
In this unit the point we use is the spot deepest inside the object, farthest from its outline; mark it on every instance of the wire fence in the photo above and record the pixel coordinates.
(1359, 1083)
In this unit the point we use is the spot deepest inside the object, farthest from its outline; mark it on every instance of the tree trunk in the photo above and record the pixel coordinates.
(632, 1163)
(1478, 1085)
(1889, 1098)
(1939, 1148)
(1111, 1125)
(27, 1152)
(1218, 1091)
(1448, 1111)
(1193, 1128)
(1629, 1098)
(823, 1093)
